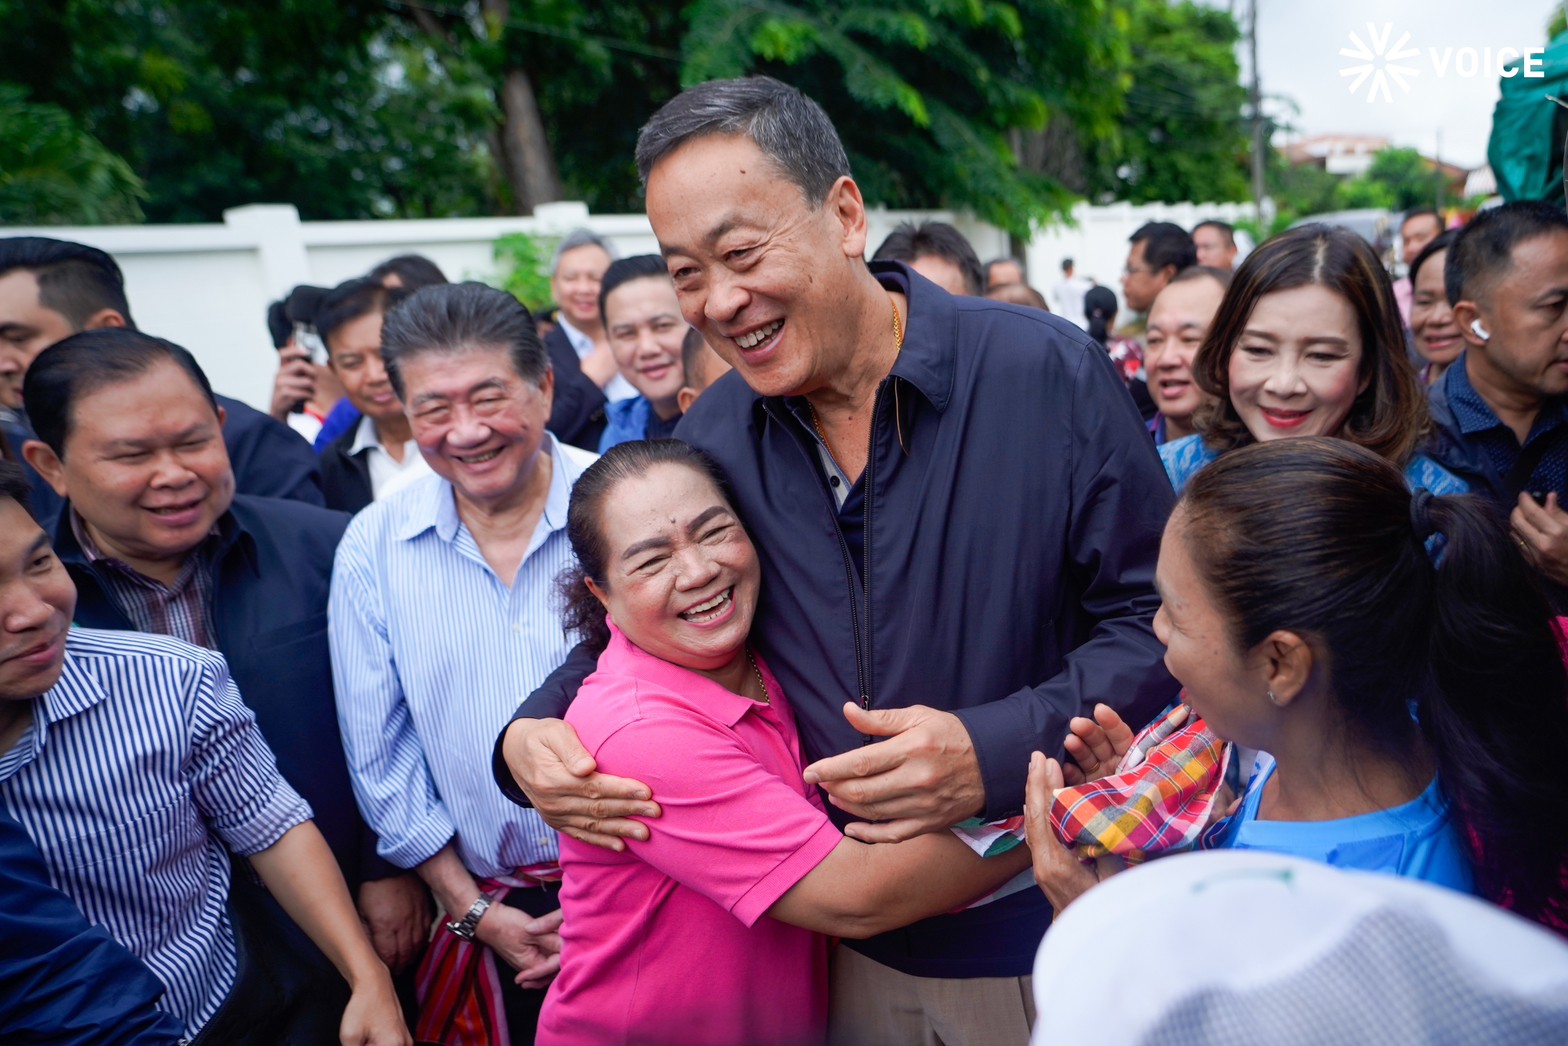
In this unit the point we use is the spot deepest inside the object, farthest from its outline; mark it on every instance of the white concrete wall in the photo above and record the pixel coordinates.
(207, 287)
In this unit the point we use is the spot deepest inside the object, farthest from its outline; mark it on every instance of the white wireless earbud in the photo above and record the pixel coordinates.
(1479, 329)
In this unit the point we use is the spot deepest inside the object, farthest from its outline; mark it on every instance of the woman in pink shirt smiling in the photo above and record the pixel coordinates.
(711, 931)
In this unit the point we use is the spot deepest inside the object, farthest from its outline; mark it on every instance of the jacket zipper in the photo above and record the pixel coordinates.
(813, 458)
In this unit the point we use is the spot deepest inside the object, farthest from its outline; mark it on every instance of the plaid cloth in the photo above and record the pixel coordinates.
(1157, 801)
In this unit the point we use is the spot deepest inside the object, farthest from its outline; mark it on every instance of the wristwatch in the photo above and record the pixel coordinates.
(466, 926)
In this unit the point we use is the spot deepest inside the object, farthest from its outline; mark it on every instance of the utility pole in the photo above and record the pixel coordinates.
(1258, 144)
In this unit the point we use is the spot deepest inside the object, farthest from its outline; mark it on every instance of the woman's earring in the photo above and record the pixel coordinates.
(1273, 700)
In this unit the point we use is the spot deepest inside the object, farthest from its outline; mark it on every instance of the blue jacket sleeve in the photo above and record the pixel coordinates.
(66, 981)
(1120, 499)
(550, 701)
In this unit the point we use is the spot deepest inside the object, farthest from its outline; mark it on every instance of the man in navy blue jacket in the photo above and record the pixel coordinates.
(50, 289)
(958, 514)
(156, 540)
(64, 981)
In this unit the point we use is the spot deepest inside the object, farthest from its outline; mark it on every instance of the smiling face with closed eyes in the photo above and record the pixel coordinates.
(681, 577)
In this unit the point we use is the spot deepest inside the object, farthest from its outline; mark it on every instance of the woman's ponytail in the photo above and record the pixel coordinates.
(1496, 715)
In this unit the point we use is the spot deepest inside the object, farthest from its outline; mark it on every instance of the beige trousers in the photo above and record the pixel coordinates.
(873, 1005)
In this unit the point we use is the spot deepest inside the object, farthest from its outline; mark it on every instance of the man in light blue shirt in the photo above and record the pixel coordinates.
(442, 618)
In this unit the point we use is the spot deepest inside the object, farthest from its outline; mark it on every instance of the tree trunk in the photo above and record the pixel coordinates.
(525, 156)
(528, 162)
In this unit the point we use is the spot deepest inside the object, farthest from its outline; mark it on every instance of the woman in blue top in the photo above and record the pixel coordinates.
(1308, 342)
(1414, 714)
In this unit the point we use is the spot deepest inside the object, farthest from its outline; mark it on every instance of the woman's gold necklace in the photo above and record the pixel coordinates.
(760, 681)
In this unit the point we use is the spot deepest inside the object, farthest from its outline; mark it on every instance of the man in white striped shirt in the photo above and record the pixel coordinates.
(132, 763)
(442, 618)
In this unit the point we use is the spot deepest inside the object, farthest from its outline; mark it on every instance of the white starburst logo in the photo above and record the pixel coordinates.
(1378, 62)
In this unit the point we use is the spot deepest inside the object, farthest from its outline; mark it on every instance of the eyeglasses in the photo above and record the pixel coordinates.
(1130, 270)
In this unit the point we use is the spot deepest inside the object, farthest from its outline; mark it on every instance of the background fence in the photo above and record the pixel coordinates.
(207, 287)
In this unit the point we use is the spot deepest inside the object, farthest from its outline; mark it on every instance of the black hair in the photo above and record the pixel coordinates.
(279, 326)
(1439, 243)
(582, 612)
(789, 128)
(624, 270)
(909, 241)
(1023, 270)
(1165, 244)
(1484, 249)
(75, 280)
(1226, 228)
(350, 300)
(13, 482)
(452, 318)
(1099, 308)
(82, 364)
(413, 272)
(1469, 640)
(1420, 212)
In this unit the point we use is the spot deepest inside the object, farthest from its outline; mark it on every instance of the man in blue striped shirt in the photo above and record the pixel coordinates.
(132, 763)
(441, 619)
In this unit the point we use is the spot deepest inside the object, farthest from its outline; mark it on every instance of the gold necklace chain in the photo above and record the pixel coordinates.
(760, 681)
(898, 347)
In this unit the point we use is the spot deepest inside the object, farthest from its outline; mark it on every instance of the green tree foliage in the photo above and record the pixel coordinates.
(54, 173)
(930, 95)
(1182, 134)
(1398, 180)
(524, 261)
(415, 108)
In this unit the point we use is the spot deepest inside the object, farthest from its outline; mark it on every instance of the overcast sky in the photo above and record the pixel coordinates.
(1298, 52)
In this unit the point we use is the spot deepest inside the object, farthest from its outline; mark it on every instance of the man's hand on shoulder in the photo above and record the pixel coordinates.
(561, 780)
(924, 778)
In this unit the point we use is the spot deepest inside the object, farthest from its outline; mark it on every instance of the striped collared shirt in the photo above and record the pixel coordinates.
(182, 610)
(431, 654)
(139, 765)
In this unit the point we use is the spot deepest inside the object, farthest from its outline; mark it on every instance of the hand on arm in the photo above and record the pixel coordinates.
(924, 778)
(555, 771)
(1542, 532)
(1059, 873)
(396, 914)
(301, 874)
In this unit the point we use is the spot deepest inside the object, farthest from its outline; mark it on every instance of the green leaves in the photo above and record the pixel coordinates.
(52, 172)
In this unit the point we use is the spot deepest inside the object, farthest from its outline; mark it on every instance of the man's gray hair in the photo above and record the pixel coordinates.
(452, 318)
(580, 238)
(791, 129)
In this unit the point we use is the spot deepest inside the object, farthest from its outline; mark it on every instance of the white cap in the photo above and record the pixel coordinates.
(1246, 947)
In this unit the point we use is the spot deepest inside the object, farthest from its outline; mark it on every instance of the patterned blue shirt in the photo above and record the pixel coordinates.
(1497, 441)
(1184, 457)
(431, 653)
(139, 765)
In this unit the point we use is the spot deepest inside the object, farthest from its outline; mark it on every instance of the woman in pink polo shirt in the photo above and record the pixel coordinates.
(713, 930)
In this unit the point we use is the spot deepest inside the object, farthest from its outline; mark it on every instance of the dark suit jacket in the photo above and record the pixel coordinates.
(577, 414)
(270, 459)
(345, 477)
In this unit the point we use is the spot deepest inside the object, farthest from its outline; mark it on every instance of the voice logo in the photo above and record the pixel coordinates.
(1384, 62)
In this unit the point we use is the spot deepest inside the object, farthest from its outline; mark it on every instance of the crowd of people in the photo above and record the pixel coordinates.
(772, 640)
